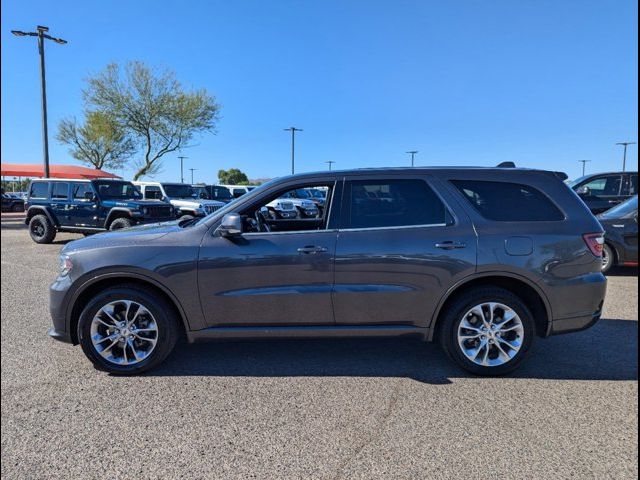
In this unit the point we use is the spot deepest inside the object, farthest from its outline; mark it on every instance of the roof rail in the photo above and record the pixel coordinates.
(507, 165)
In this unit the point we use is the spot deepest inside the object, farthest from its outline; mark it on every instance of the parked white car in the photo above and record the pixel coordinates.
(181, 196)
(239, 190)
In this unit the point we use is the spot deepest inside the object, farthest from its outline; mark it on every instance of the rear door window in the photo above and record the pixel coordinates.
(81, 192)
(60, 191)
(152, 193)
(39, 190)
(392, 203)
(508, 202)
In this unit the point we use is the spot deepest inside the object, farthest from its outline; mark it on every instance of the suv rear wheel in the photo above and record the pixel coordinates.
(41, 229)
(608, 258)
(127, 330)
(488, 331)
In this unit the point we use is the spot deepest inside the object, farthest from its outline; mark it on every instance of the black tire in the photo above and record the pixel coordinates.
(41, 229)
(448, 331)
(120, 223)
(163, 314)
(609, 258)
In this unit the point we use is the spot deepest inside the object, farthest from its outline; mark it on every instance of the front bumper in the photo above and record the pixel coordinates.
(58, 308)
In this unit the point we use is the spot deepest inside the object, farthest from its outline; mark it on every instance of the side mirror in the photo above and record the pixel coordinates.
(584, 191)
(231, 226)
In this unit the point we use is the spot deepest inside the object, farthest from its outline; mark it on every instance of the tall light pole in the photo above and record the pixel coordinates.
(42, 35)
(293, 131)
(584, 164)
(182, 168)
(624, 158)
(330, 163)
(413, 155)
(192, 170)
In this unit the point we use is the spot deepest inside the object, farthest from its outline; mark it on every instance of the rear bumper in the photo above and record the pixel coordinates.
(581, 302)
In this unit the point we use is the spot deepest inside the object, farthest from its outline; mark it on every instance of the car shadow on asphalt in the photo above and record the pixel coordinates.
(623, 272)
(608, 351)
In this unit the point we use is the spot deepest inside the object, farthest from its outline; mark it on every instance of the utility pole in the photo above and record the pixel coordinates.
(293, 131)
(413, 154)
(42, 35)
(584, 164)
(624, 158)
(181, 158)
(192, 170)
(330, 162)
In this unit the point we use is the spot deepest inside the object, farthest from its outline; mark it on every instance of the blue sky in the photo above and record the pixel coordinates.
(539, 82)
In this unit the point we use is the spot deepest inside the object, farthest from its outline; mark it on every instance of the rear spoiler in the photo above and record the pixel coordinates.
(561, 175)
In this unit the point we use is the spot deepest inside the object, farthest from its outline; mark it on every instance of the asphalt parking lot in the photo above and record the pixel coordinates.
(311, 409)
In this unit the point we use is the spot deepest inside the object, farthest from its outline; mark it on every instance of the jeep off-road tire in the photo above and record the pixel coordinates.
(120, 223)
(41, 229)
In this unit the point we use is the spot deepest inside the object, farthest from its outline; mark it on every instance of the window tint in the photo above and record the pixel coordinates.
(633, 184)
(39, 190)
(60, 191)
(508, 202)
(152, 193)
(81, 191)
(605, 186)
(393, 203)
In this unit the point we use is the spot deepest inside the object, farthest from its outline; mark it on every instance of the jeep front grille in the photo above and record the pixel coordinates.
(212, 208)
(160, 211)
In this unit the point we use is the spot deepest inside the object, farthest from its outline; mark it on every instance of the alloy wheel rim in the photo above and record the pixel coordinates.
(490, 334)
(37, 229)
(606, 258)
(124, 332)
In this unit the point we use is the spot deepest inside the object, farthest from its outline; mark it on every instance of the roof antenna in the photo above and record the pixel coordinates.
(507, 165)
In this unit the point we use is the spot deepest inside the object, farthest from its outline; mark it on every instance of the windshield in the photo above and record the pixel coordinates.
(117, 190)
(178, 190)
(623, 210)
(222, 193)
(577, 181)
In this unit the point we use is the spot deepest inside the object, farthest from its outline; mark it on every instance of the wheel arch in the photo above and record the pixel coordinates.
(83, 295)
(529, 292)
(37, 210)
(115, 213)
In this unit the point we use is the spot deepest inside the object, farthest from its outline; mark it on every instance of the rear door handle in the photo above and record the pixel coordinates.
(311, 250)
(449, 245)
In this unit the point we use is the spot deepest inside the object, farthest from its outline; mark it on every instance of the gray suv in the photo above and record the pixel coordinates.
(482, 260)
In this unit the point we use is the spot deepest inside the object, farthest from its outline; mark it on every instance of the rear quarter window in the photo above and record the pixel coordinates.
(39, 190)
(508, 202)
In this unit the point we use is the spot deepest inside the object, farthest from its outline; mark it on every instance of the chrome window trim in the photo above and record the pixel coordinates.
(400, 227)
(296, 232)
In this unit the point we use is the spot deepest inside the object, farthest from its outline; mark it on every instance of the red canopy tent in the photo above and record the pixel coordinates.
(55, 171)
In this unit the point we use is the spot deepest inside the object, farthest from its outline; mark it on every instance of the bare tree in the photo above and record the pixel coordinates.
(100, 142)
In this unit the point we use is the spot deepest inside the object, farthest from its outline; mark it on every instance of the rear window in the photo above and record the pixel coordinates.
(508, 202)
(39, 190)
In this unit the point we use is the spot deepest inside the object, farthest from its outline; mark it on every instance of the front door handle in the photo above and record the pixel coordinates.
(449, 245)
(311, 250)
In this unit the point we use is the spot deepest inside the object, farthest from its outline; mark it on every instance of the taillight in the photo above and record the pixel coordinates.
(595, 242)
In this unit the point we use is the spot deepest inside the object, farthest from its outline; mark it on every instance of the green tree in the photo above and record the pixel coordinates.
(233, 176)
(101, 141)
(154, 107)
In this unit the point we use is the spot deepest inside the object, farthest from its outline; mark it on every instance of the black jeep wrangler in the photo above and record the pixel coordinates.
(88, 206)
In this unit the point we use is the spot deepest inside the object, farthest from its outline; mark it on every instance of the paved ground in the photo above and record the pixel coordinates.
(312, 409)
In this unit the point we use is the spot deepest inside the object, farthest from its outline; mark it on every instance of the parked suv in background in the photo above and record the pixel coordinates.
(181, 195)
(213, 192)
(11, 203)
(239, 190)
(602, 191)
(88, 206)
(483, 260)
(621, 235)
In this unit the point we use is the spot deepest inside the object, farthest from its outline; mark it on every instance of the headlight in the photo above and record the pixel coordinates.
(65, 265)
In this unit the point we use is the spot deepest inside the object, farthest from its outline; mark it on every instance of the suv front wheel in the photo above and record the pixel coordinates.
(127, 330)
(41, 229)
(488, 331)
